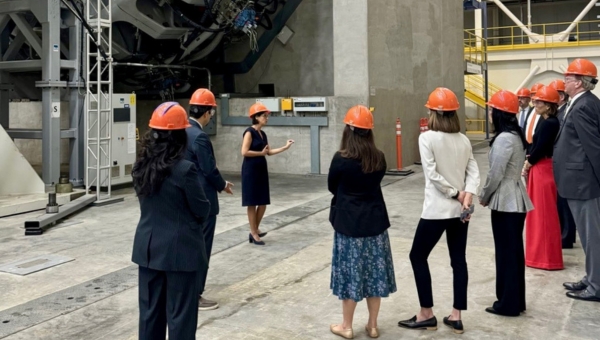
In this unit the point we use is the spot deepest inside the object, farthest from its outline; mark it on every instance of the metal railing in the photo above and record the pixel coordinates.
(475, 126)
(585, 33)
(474, 47)
(475, 84)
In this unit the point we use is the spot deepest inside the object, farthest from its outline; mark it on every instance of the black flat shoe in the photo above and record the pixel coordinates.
(575, 285)
(429, 324)
(493, 311)
(252, 240)
(456, 325)
(583, 295)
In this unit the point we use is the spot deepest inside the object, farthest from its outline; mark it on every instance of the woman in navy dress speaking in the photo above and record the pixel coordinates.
(255, 174)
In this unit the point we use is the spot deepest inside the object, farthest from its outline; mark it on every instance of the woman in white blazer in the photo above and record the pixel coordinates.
(451, 179)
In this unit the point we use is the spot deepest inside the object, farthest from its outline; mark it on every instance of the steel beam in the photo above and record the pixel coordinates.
(15, 6)
(35, 226)
(32, 38)
(48, 14)
(21, 65)
(4, 99)
(4, 20)
(76, 107)
(37, 134)
(15, 46)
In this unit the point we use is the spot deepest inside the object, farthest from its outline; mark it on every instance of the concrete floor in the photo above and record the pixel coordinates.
(279, 291)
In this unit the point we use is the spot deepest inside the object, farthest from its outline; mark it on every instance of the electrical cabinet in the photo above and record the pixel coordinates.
(123, 138)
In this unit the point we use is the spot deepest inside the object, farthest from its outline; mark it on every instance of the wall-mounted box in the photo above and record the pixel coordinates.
(286, 104)
(310, 104)
(273, 104)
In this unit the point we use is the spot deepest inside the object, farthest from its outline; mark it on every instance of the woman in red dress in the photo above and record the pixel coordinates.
(543, 248)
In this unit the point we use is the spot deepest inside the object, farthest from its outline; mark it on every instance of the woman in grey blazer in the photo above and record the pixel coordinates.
(504, 193)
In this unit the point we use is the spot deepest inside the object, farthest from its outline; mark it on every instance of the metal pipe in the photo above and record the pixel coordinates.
(182, 67)
(516, 20)
(583, 13)
(532, 73)
(485, 66)
(529, 14)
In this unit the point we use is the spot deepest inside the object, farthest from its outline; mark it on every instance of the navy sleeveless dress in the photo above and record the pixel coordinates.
(255, 174)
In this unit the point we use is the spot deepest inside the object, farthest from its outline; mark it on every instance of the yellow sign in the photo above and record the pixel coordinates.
(132, 99)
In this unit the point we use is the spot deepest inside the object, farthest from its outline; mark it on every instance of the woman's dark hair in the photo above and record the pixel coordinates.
(553, 111)
(159, 151)
(359, 144)
(506, 122)
(254, 120)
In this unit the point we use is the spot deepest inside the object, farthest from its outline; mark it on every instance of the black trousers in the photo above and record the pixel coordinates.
(567, 222)
(209, 236)
(510, 262)
(167, 297)
(427, 236)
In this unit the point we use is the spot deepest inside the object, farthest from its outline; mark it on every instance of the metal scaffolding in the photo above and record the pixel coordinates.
(99, 89)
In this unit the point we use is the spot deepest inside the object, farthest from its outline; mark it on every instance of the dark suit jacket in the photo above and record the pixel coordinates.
(357, 207)
(200, 151)
(561, 114)
(537, 128)
(169, 234)
(577, 150)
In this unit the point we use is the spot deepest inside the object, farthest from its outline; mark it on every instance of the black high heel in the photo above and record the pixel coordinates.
(252, 240)
(263, 234)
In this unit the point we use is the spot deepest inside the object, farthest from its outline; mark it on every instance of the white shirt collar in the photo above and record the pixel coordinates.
(577, 96)
(195, 120)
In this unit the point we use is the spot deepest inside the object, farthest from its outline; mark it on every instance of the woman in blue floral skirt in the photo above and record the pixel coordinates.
(362, 265)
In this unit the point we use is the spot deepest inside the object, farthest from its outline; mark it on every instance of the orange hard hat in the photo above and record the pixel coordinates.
(547, 94)
(505, 101)
(257, 107)
(169, 116)
(558, 85)
(582, 67)
(536, 87)
(203, 97)
(359, 116)
(524, 92)
(442, 99)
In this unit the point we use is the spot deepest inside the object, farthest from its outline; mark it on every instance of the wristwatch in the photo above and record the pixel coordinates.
(457, 193)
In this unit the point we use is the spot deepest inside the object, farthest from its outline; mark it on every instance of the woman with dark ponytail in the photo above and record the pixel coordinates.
(168, 245)
(504, 193)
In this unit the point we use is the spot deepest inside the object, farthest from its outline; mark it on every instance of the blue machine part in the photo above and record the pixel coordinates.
(247, 17)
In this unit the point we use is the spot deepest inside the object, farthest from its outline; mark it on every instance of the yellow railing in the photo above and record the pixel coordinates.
(474, 48)
(475, 84)
(475, 125)
(585, 33)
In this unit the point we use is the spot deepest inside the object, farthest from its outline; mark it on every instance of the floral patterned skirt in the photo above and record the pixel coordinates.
(362, 267)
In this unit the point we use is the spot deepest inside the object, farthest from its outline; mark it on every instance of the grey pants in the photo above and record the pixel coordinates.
(587, 219)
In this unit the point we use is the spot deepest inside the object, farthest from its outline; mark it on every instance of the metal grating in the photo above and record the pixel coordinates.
(36, 264)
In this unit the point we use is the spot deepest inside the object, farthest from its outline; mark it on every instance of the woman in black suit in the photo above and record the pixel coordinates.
(169, 244)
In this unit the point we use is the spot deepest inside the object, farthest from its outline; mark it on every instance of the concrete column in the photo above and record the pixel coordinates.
(350, 48)
(478, 25)
(414, 47)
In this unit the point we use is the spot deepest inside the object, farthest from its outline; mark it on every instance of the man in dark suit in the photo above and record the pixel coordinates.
(565, 216)
(576, 163)
(200, 151)
(525, 109)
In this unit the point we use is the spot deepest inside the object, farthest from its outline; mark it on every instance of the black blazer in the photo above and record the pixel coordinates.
(169, 234)
(576, 157)
(200, 151)
(357, 207)
(561, 113)
(536, 131)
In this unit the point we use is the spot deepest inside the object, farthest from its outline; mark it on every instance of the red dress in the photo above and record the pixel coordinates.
(543, 248)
